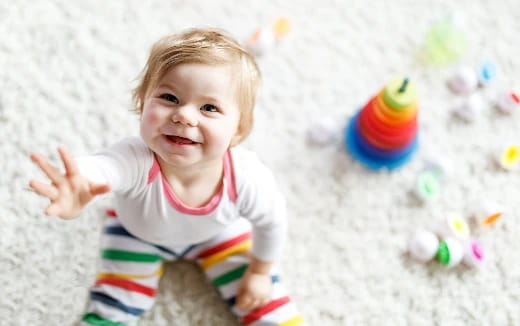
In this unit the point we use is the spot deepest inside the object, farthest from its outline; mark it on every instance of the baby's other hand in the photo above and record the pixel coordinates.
(68, 192)
(254, 291)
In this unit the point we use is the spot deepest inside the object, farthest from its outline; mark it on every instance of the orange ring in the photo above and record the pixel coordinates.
(392, 116)
(375, 140)
(396, 139)
(389, 120)
(409, 128)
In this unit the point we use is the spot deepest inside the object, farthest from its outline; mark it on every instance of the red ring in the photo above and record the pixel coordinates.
(405, 130)
(380, 139)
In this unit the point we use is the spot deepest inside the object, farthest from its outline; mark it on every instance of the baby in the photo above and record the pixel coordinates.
(183, 189)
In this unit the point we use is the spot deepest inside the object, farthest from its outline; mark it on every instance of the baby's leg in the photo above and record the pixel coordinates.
(224, 259)
(128, 277)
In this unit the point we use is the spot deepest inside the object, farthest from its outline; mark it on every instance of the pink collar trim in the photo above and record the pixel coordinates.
(228, 183)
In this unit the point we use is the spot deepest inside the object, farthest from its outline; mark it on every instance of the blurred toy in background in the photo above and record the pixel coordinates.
(423, 245)
(464, 81)
(446, 41)
(487, 213)
(454, 225)
(451, 252)
(451, 241)
(470, 108)
(266, 38)
(508, 102)
(324, 131)
(487, 72)
(473, 253)
(383, 134)
(428, 183)
(439, 164)
(508, 156)
(427, 186)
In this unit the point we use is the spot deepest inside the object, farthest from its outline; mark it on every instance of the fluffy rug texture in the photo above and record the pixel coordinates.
(67, 71)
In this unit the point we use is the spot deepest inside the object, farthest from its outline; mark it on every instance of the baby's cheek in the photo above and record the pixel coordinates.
(150, 118)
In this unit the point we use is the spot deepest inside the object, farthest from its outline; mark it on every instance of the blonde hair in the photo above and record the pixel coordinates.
(203, 46)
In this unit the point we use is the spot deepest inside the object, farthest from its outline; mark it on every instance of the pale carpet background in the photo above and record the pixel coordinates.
(66, 71)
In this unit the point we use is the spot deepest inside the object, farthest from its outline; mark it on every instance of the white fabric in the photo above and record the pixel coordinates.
(145, 211)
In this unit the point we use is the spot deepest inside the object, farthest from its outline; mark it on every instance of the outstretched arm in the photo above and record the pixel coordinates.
(68, 192)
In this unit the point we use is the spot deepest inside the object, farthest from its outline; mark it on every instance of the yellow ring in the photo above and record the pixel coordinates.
(389, 120)
(404, 114)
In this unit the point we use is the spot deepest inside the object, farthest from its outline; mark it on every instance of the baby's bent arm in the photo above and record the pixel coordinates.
(68, 192)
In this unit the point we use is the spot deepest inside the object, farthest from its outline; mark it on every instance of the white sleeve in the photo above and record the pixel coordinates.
(261, 202)
(121, 166)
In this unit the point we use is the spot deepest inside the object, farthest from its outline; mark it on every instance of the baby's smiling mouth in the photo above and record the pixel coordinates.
(180, 140)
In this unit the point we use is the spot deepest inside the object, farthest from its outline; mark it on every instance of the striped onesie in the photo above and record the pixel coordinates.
(150, 225)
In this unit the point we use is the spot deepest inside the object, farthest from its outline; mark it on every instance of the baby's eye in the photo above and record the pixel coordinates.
(209, 108)
(170, 98)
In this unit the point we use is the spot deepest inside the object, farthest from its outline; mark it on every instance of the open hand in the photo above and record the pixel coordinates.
(254, 291)
(68, 192)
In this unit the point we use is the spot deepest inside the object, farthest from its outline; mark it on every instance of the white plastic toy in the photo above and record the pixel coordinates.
(470, 108)
(323, 131)
(440, 165)
(423, 246)
(487, 213)
(451, 252)
(508, 156)
(473, 253)
(427, 186)
(487, 72)
(464, 81)
(454, 225)
(265, 39)
(508, 102)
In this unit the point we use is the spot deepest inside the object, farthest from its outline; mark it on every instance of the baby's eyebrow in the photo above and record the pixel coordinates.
(166, 86)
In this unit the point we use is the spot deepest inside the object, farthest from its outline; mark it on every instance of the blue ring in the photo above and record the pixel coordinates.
(374, 163)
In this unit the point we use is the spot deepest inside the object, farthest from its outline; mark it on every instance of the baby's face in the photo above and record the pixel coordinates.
(192, 116)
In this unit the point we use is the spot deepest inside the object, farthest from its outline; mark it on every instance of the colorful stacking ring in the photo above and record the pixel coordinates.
(390, 117)
(366, 147)
(370, 162)
(391, 137)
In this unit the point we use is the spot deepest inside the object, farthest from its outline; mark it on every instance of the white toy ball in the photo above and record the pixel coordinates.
(464, 81)
(455, 226)
(440, 165)
(261, 41)
(423, 246)
(508, 102)
(451, 252)
(470, 108)
(473, 253)
(508, 156)
(487, 72)
(487, 213)
(265, 39)
(427, 186)
(323, 131)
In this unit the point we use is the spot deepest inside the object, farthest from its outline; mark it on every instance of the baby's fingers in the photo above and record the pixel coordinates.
(99, 189)
(54, 209)
(45, 190)
(51, 172)
(68, 162)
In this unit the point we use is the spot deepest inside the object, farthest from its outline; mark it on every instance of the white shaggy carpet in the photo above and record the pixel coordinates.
(66, 72)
